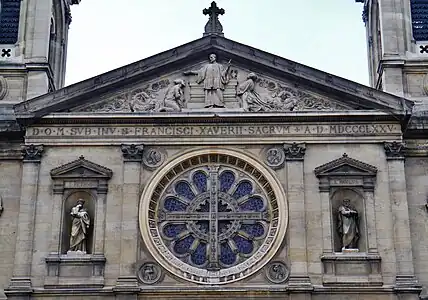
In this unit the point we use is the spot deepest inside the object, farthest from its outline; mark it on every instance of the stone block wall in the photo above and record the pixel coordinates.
(10, 189)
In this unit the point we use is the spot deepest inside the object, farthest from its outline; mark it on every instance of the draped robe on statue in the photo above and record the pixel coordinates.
(79, 229)
(214, 77)
(348, 227)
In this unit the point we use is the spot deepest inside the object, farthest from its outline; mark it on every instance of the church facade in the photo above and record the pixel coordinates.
(213, 169)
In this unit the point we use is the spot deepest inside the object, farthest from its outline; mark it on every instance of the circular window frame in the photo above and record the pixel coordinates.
(152, 238)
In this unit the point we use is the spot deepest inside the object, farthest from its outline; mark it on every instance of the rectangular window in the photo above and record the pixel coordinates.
(9, 21)
(419, 9)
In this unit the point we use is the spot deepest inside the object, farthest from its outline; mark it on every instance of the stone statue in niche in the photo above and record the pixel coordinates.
(347, 226)
(79, 227)
(252, 101)
(174, 97)
(214, 77)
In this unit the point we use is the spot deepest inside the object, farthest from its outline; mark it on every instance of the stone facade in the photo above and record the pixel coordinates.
(240, 175)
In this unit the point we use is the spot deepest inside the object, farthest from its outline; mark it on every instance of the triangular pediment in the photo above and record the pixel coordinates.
(256, 82)
(345, 166)
(81, 169)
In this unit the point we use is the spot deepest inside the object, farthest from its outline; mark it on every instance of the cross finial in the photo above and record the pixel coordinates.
(213, 25)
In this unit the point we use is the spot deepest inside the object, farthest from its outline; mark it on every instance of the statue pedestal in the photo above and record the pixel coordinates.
(352, 268)
(75, 268)
(197, 95)
(347, 251)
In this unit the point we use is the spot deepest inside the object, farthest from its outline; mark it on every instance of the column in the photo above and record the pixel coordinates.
(21, 280)
(127, 282)
(294, 156)
(400, 214)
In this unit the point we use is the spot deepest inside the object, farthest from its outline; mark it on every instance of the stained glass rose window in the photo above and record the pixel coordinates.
(213, 218)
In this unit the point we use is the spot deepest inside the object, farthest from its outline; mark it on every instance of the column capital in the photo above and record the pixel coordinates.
(32, 153)
(132, 152)
(394, 150)
(294, 152)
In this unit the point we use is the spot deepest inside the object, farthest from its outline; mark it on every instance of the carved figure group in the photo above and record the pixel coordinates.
(214, 77)
(79, 227)
(252, 101)
(347, 225)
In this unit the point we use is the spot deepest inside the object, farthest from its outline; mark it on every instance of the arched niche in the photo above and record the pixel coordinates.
(90, 206)
(356, 199)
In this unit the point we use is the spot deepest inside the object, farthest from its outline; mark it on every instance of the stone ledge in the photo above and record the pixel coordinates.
(75, 270)
(19, 286)
(356, 269)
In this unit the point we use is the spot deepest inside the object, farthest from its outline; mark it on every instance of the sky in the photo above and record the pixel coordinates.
(328, 35)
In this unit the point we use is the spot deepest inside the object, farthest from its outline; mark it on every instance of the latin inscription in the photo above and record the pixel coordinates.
(216, 130)
(346, 181)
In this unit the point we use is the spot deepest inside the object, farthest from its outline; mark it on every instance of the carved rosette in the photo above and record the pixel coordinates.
(275, 157)
(132, 152)
(153, 158)
(150, 273)
(277, 272)
(294, 152)
(394, 150)
(32, 153)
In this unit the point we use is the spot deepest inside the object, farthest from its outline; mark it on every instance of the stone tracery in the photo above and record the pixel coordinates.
(214, 218)
(215, 228)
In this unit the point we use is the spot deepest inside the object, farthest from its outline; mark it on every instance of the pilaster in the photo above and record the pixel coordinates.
(405, 277)
(20, 283)
(294, 157)
(127, 283)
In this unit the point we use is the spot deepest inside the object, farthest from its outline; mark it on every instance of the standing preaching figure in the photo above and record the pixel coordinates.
(214, 77)
(79, 227)
(348, 226)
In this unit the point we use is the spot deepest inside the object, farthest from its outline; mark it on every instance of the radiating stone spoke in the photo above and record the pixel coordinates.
(191, 216)
(242, 216)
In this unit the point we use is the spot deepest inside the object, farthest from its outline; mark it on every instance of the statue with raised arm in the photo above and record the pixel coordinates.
(214, 78)
(347, 225)
(79, 227)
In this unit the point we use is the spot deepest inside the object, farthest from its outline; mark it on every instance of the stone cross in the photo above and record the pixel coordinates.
(213, 25)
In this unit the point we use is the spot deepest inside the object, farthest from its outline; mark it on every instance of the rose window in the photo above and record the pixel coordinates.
(213, 218)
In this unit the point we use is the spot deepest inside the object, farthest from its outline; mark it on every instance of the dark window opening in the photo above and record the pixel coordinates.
(9, 21)
(419, 9)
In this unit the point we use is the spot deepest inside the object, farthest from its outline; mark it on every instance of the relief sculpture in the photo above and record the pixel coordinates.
(273, 96)
(215, 86)
(145, 99)
(174, 97)
(214, 77)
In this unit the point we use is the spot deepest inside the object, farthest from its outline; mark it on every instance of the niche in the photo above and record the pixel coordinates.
(89, 205)
(355, 200)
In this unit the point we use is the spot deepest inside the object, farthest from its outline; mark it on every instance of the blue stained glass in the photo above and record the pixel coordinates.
(203, 226)
(227, 256)
(244, 246)
(183, 245)
(200, 181)
(253, 203)
(244, 188)
(172, 230)
(173, 204)
(224, 225)
(183, 189)
(204, 207)
(254, 230)
(199, 257)
(226, 179)
(223, 207)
